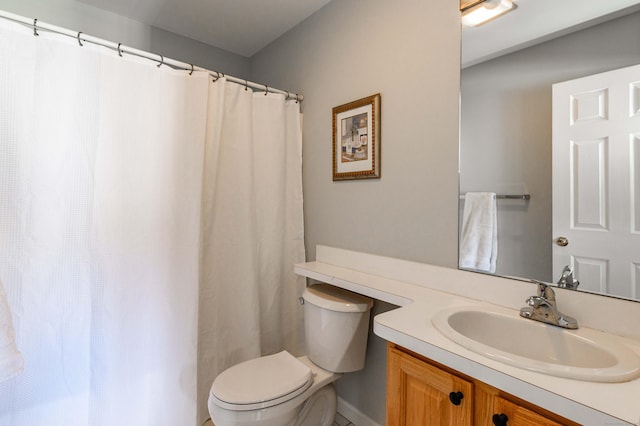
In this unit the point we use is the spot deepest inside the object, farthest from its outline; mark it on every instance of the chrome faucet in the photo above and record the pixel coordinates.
(543, 308)
(567, 279)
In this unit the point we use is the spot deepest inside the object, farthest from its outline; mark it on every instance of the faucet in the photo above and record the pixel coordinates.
(567, 279)
(543, 308)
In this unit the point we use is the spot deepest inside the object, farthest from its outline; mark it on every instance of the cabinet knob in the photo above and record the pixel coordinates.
(456, 398)
(500, 419)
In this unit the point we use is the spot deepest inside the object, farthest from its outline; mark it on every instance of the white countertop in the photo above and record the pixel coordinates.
(410, 326)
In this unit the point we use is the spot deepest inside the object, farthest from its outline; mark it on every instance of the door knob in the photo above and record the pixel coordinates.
(562, 241)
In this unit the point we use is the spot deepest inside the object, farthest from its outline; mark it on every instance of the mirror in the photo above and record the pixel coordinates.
(508, 69)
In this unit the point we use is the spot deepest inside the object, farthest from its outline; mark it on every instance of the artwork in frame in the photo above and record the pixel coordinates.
(356, 139)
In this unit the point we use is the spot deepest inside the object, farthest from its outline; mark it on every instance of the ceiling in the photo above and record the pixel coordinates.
(245, 27)
(534, 21)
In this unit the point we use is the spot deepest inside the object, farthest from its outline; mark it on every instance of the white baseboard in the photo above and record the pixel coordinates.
(354, 415)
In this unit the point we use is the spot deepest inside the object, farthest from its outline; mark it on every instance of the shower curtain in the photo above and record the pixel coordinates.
(253, 172)
(114, 177)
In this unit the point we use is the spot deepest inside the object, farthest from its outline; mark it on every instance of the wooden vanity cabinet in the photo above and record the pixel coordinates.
(418, 393)
(421, 392)
(517, 414)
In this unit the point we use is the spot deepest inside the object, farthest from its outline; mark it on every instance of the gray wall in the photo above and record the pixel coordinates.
(506, 132)
(409, 52)
(77, 16)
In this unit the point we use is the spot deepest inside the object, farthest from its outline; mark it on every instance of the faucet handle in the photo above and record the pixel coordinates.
(542, 287)
(546, 292)
(536, 301)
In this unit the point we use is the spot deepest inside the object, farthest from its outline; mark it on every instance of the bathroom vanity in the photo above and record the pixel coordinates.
(423, 362)
(423, 392)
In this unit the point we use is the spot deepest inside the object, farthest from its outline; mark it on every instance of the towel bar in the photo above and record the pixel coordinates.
(526, 197)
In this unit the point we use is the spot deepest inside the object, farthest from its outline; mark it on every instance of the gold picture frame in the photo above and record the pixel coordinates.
(356, 139)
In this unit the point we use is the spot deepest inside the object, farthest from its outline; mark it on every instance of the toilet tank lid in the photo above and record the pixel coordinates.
(336, 299)
(261, 380)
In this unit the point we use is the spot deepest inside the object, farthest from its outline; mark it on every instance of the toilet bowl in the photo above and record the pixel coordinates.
(250, 404)
(282, 390)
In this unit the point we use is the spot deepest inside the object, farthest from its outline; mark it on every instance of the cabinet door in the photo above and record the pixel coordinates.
(419, 394)
(517, 415)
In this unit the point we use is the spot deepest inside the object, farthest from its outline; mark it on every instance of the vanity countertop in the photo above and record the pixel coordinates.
(422, 290)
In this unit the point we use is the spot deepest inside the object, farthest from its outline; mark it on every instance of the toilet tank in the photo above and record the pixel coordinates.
(336, 323)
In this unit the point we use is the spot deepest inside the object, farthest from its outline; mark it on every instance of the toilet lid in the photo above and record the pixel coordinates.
(262, 382)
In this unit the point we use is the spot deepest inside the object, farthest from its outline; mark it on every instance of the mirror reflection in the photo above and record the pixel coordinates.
(557, 181)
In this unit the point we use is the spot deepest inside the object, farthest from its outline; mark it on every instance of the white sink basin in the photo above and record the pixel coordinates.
(501, 334)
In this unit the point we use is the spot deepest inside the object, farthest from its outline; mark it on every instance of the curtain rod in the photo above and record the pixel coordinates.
(122, 49)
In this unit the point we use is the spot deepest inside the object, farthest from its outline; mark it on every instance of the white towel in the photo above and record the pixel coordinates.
(479, 234)
(11, 362)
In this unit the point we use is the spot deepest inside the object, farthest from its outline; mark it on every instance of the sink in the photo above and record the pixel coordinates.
(501, 334)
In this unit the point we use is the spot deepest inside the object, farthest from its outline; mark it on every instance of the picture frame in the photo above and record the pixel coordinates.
(356, 139)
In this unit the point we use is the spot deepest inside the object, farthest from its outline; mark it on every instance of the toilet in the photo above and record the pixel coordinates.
(282, 390)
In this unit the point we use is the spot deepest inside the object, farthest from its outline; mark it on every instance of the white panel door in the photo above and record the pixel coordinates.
(596, 180)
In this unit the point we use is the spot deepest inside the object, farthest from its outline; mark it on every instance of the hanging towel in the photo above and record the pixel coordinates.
(11, 362)
(479, 236)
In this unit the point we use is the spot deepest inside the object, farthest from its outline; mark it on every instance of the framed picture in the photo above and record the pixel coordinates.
(356, 139)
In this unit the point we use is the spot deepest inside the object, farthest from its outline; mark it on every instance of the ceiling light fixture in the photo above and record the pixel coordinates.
(485, 11)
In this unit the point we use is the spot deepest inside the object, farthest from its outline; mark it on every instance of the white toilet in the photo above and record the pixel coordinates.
(281, 390)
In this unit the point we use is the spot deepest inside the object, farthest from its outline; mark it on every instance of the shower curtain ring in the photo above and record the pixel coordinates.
(246, 86)
(191, 72)
(119, 50)
(35, 27)
(79, 39)
(161, 61)
(266, 90)
(296, 98)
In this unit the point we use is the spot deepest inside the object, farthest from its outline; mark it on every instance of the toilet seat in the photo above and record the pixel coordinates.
(261, 382)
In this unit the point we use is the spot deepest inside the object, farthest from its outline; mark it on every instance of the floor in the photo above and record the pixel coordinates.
(340, 420)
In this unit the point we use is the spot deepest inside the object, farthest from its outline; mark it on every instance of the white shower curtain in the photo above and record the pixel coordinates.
(145, 237)
(103, 214)
(252, 231)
